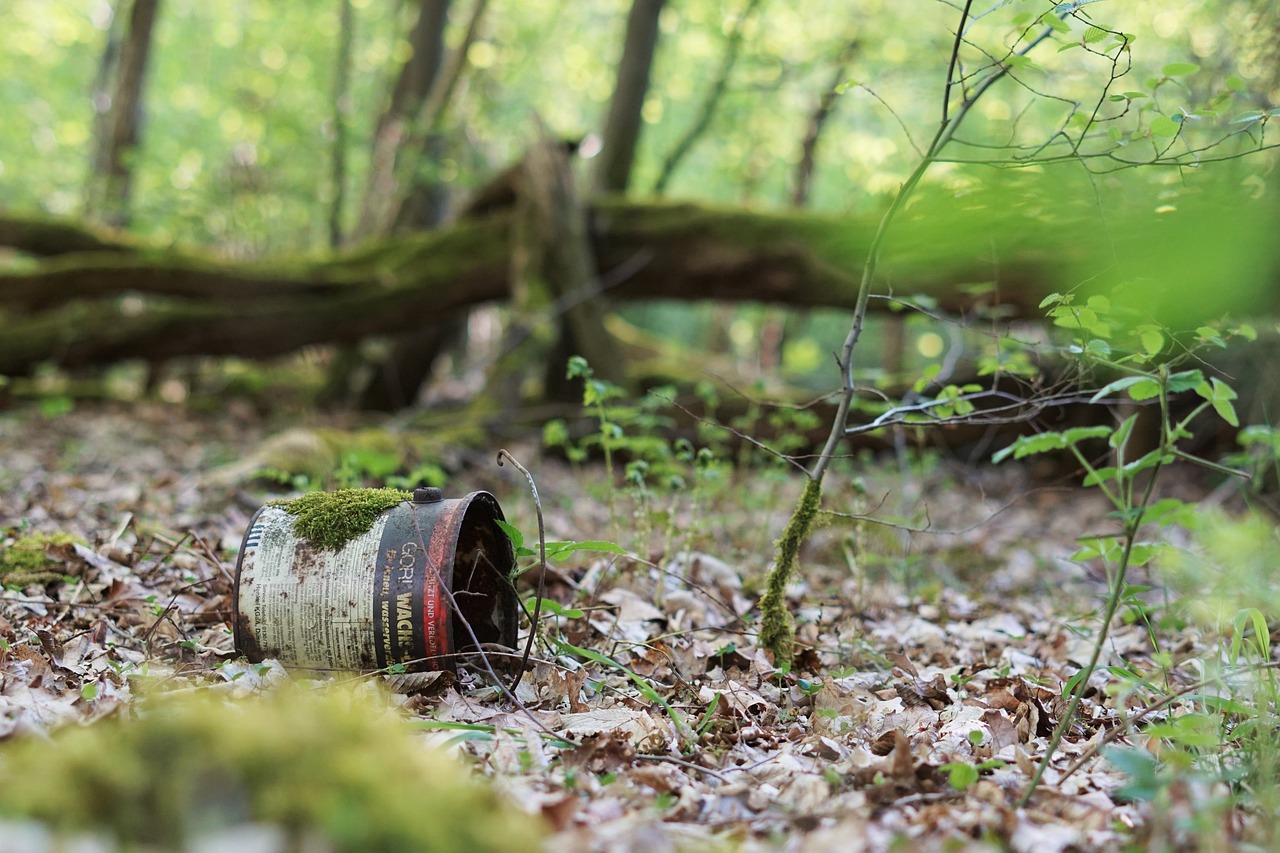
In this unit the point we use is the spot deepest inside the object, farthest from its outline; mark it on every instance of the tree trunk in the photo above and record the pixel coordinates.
(383, 189)
(426, 203)
(157, 302)
(341, 109)
(415, 203)
(707, 110)
(622, 127)
(562, 264)
(813, 131)
(109, 189)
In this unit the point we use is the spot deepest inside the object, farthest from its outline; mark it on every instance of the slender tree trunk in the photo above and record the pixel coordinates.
(425, 204)
(110, 185)
(103, 83)
(564, 266)
(413, 84)
(813, 132)
(622, 127)
(707, 110)
(341, 108)
(420, 205)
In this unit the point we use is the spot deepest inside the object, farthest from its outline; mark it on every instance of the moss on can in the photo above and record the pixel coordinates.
(332, 519)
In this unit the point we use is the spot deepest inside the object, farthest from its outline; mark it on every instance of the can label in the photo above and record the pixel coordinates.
(321, 611)
(410, 608)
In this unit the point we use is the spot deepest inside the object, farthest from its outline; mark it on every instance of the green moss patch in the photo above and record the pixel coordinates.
(777, 626)
(332, 519)
(326, 766)
(37, 558)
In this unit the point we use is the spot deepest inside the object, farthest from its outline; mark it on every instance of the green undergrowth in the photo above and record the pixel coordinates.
(333, 770)
(332, 458)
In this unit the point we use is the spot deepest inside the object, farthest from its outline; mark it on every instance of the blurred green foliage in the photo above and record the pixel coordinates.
(238, 131)
(238, 109)
(332, 769)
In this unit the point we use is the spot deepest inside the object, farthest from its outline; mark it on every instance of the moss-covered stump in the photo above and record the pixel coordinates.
(332, 770)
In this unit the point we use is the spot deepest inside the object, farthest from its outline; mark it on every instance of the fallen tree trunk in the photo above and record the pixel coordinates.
(116, 302)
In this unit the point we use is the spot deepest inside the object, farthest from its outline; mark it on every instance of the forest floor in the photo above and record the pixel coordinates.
(930, 675)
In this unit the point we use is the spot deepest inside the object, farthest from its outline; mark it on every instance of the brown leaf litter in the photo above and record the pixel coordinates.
(921, 652)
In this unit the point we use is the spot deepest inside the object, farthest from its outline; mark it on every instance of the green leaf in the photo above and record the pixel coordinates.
(1028, 445)
(1223, 705)
(1168, 510)
(960, 775)
(555, 432)
(89, 691)
(1075, 435)
(1121, 433)
(1163, 126)
(1189, 730)
(1104, 547)
(1119, 385)
(1262, 634)
(1140, 555)
(1220, 394)
(1185, 380)
(513, 533)
(1146, 461)
(1072, 683)
(1098, 348)
(1236, 84)
(1147, 389)
(1141, 767)
(1099, 475)
(1210, 335)
(1152, 339)
(1055, 23)
(556, 550)
(1180, 69)
(555, 608)
(1251, 116)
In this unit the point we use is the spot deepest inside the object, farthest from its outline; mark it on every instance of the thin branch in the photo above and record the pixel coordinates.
(542, 561)
(955, 58)
(706, 111)
(940, 140)
(1018, 409)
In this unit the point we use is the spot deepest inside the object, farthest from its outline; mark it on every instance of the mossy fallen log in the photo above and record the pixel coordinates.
(156, 303)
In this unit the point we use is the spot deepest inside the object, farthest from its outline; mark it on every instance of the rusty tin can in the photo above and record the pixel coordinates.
(405, 592)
